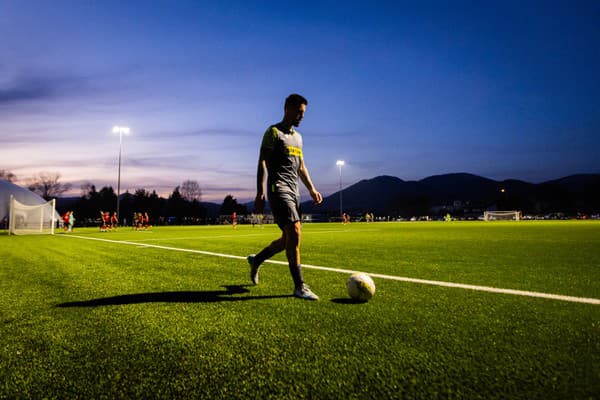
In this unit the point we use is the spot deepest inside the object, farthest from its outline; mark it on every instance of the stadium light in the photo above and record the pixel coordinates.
(340, 163)
(121, 130)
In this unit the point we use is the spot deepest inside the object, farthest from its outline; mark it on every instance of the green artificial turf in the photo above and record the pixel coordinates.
(93, 319)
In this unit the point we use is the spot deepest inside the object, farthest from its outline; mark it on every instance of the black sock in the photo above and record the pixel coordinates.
(265, 254)
(296, 271)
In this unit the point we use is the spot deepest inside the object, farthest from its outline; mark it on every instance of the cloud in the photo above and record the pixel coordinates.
(26, 90)
(28, 87)
(202, 132)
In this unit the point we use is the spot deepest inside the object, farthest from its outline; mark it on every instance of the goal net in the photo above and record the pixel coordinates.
(501, 215)
(29, 220)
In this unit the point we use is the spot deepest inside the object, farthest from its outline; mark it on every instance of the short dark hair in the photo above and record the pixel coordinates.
(294, 100)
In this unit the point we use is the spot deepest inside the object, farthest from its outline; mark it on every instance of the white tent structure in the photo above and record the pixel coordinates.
(22, 195)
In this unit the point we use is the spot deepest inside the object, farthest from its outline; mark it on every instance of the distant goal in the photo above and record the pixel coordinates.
(502, 215)
(31, 220)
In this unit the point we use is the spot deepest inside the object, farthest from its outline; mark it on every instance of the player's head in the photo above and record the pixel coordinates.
(294, 109)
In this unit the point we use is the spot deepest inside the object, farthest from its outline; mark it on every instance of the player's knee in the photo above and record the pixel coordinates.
(294, 233)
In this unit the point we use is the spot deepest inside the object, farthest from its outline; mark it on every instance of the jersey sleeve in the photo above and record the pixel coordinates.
(268, 141)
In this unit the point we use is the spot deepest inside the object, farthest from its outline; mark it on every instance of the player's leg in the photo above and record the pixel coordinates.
(293, 233)
(279, 209)
(255, 261)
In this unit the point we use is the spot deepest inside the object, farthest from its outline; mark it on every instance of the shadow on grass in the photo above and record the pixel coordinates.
(173, 297)
(347, 301)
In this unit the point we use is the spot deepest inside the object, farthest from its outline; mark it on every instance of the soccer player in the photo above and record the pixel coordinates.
(71, 220)
(114, 220)
(106, 221)
(234, 220)
(345, 218)
(66, 221)
(102, 223)
(281, 158)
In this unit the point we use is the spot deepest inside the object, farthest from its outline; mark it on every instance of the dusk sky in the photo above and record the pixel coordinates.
(499, 89)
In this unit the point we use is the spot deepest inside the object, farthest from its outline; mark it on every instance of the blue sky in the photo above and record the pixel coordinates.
(498, 89)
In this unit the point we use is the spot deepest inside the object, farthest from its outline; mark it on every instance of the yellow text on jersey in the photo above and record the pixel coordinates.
(294, 151)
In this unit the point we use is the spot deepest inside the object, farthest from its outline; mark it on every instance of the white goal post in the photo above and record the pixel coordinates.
(501, 215)
(29, 220)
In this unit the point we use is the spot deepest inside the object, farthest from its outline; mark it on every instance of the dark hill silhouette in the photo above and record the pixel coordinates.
(460, 186)
(581, 183)
(463, 193)
(377, 194)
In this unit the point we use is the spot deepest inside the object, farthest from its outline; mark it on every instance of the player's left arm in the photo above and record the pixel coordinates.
(305, 177)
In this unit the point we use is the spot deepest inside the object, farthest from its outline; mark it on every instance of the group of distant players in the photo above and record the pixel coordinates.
(109, 222)
(369, 217)
(256, 219)
(68, 221)
(140, 221)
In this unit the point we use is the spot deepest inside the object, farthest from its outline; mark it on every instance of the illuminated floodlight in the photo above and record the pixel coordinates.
(121, 130)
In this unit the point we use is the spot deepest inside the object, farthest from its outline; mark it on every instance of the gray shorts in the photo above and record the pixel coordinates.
(285, 207)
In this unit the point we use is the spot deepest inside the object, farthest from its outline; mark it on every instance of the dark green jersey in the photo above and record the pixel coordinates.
(283, 154)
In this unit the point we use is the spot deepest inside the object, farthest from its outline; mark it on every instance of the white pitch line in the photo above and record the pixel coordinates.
(232, 236)
(490, 289)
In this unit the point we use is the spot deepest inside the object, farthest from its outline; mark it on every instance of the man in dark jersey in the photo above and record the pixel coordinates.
(281, 159)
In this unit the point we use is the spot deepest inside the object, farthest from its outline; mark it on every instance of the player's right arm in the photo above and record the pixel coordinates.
(261, 183)
(266, 147)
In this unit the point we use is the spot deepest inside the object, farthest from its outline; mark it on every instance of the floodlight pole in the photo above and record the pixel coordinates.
(340, 163)
(120, 130)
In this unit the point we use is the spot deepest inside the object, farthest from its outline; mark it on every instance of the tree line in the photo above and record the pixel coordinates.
(183, 206)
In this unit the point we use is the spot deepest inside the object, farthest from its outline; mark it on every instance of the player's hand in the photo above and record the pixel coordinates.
(316, 197)
(259, 204)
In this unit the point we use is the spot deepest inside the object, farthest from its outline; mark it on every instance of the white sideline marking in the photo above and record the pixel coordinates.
(232, 236)
(491, 289)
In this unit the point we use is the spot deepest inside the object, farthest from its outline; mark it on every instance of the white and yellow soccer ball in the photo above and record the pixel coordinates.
(360, 286)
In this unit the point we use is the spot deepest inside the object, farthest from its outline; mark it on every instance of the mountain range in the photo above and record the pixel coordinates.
(463, 193)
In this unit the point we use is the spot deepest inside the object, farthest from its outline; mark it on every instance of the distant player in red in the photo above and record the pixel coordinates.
(140, 221)
(106, 220)
(66, 220)
(234, 219)
(146, 221)
(114, 220)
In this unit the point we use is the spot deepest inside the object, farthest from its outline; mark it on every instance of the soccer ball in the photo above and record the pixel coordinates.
(360, 286)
